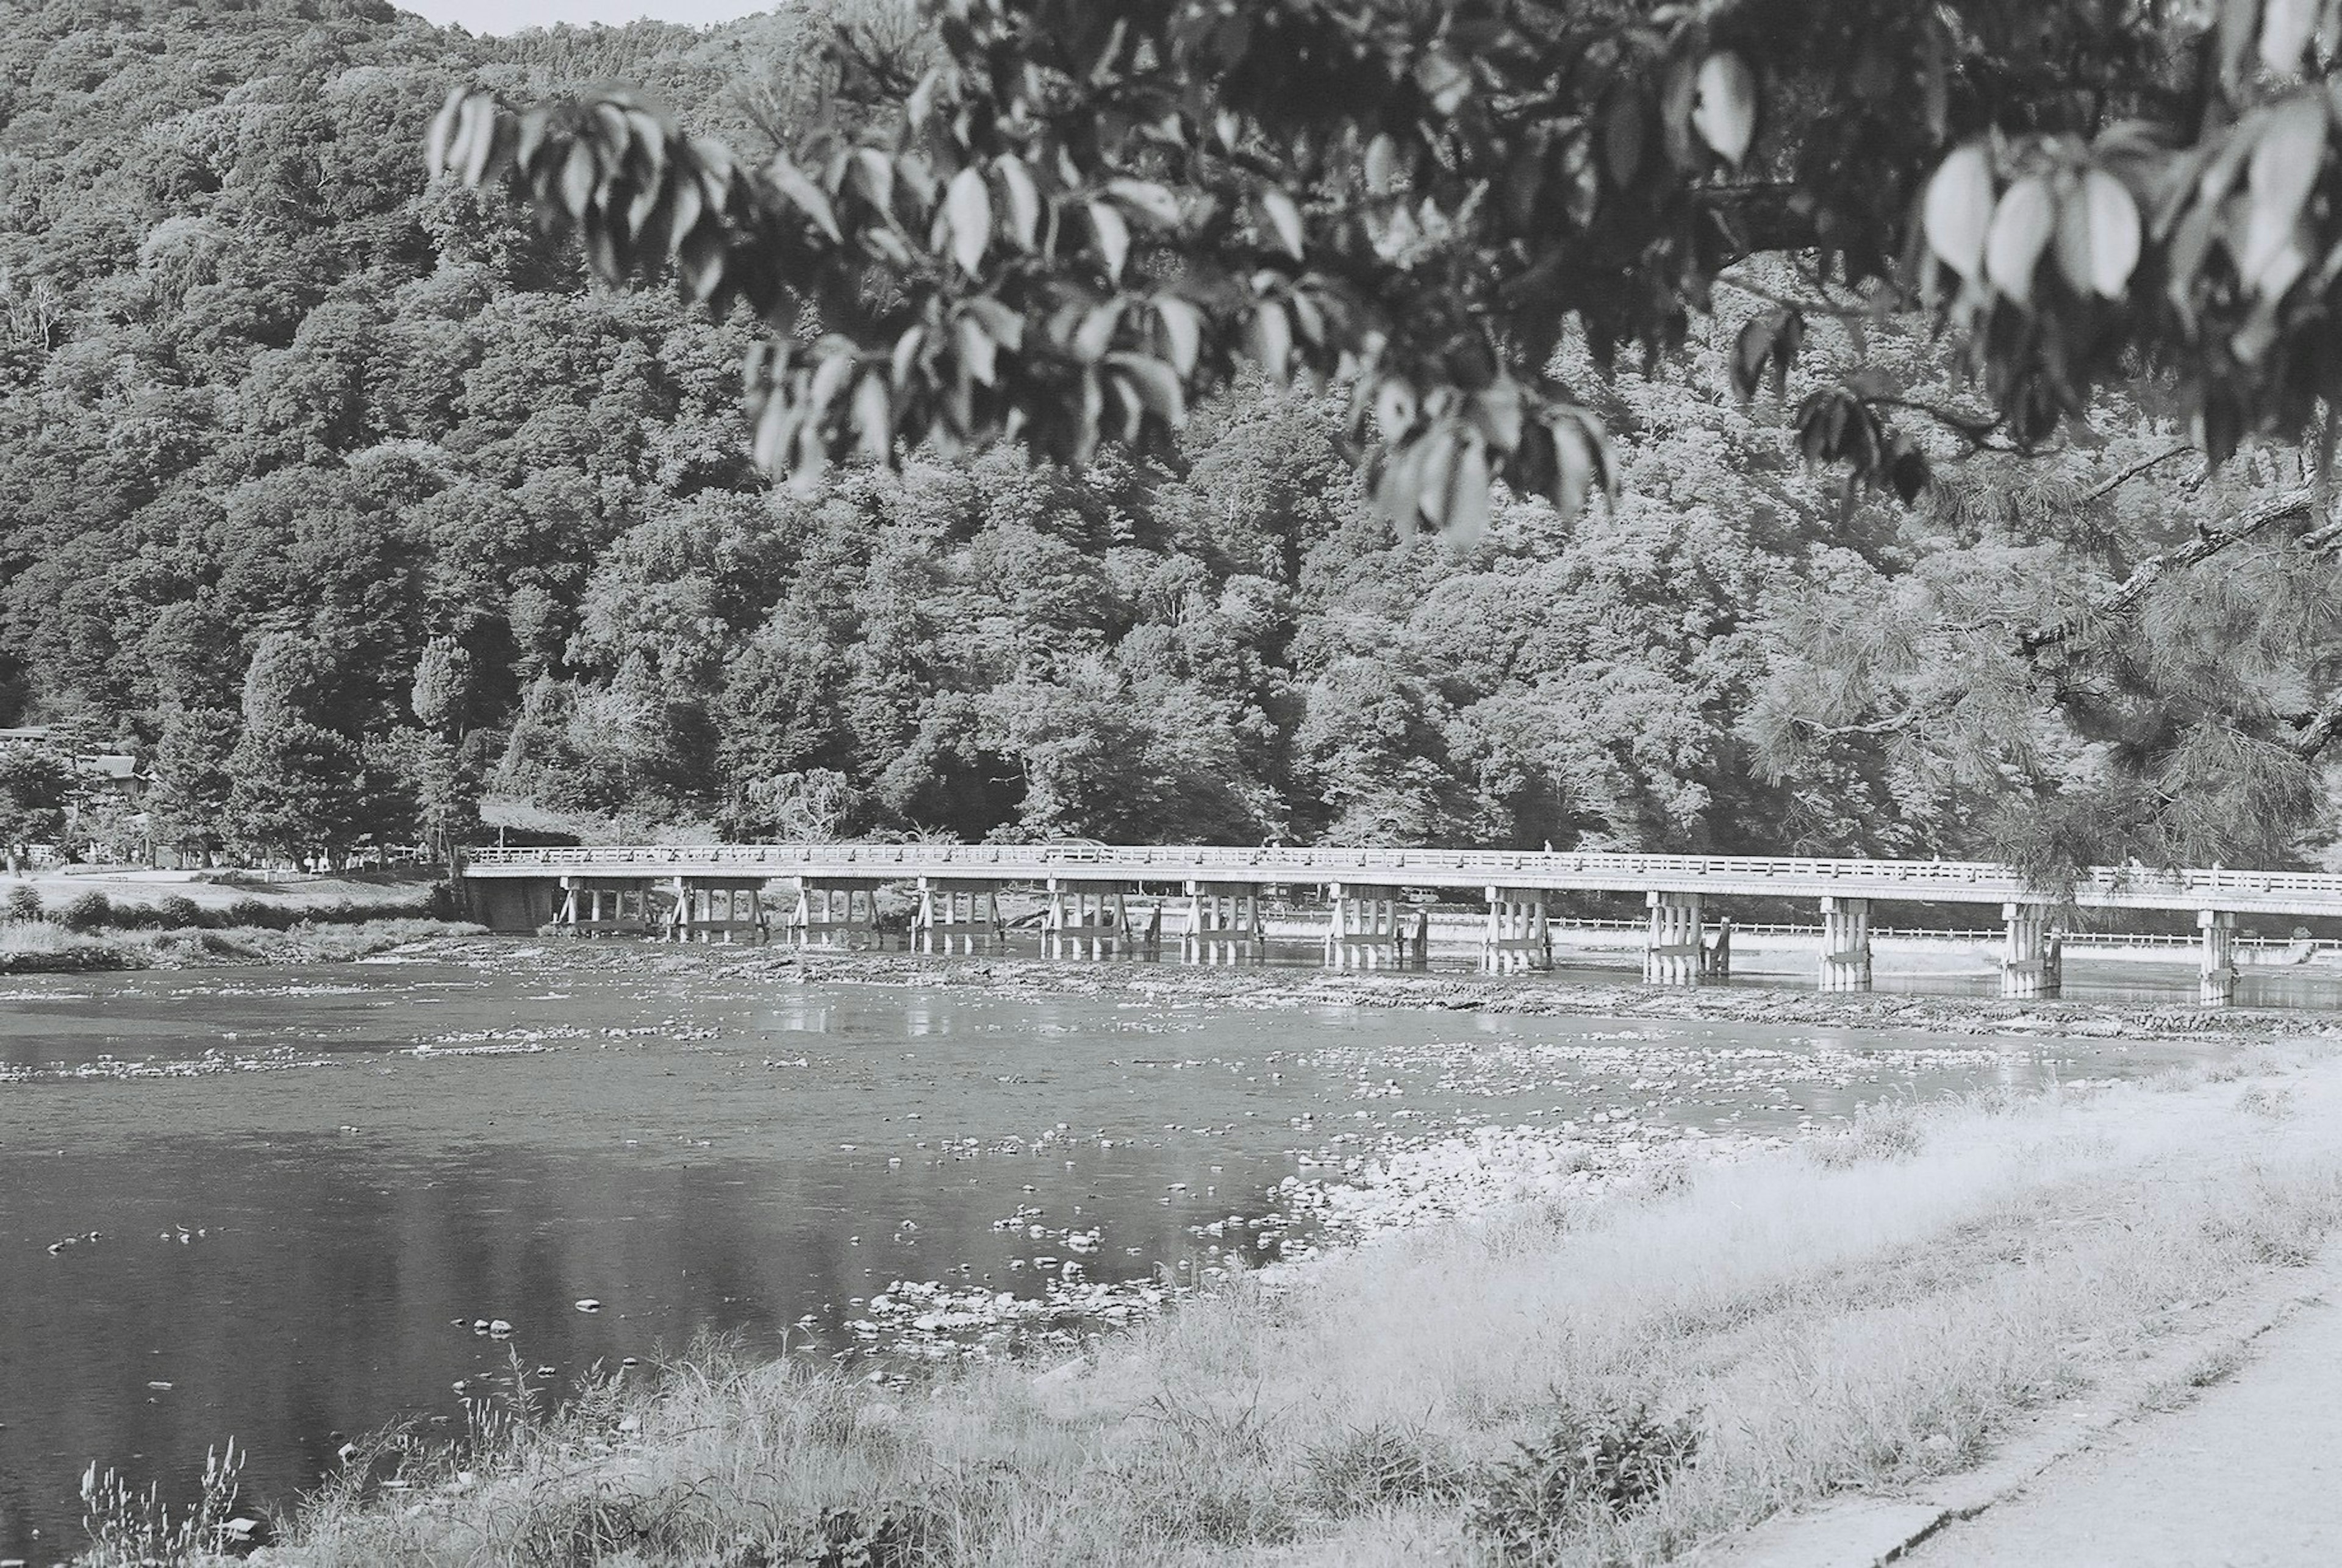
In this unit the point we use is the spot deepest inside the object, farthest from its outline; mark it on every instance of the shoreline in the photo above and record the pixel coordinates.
(30, 948)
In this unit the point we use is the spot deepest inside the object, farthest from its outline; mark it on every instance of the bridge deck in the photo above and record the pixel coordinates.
(2276, 893)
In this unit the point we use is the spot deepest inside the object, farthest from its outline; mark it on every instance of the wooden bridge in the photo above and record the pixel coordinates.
(827, 895)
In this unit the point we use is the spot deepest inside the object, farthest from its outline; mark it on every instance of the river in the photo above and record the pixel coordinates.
(308, 1188)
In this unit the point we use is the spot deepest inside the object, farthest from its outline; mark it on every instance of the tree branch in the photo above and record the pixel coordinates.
(2132, 471)
(2124, 598)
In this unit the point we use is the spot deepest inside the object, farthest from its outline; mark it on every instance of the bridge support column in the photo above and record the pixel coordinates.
(1363, 930)
(717, 909)
(1223, 924)
(2032, 962)
(604, 906)
(957, 916)
(1672, 954)
(1517, 937)
(835, 912)
(2216, 980)
(1086, 919)
(1845, 944)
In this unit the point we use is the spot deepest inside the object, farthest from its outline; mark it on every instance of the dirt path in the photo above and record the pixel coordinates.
(2248, 1473)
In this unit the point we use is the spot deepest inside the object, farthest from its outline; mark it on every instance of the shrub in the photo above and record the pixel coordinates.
(1882, 1130)
(179, 912)
(258, 912)
(1596, 1464)
(88, 912)
(24, 903)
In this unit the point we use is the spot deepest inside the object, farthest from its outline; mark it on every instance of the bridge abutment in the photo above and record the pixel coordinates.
(2216, 985)
(1672, 951)
(1517, 937)
(1845, 944)
(2032, 960)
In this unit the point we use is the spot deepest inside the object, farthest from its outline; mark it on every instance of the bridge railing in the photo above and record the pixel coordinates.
(1961, 879)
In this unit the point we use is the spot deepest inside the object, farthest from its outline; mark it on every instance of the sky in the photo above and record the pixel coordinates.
(512, 16)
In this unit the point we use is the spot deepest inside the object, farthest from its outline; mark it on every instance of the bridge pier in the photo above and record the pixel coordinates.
(1845, 944)
(957, 916)
(710, 909)
(2216, 984)
(1672, 951)
(604, 906)
(1084, 918)
(1223, 924)
(835, 912)
(1363, 929)
(1517, 937)
(2033, 961)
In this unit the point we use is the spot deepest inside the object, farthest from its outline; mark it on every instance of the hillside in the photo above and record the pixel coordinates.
(348, 499)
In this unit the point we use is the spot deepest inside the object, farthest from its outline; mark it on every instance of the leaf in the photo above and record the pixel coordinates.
(1395, 408)
(968, 204)
(777, 425)
(1675, 112)
(1623, 130)
(441, 137)
(906, 357)
(1382, 165)
(1110, 236)
(1497, 412)
(1024, 200)
(579, 173)
(1150, 201)
(1157, 385)
(700, 258)
(873, 417)
(1283, 218)
(2283, 167)
(1007, 328)
(1272, 340)
(871, 176)
(2285, 27)
(978, 353)
(1436, 480)
(483, 130)
(793, 183)
(1095, 335)
(829, 379)
(1958, 213)
(2021, 226)
(1574, 465)
(1183, 331)
(1467, 503)
(1724, 111)
(2098, 236)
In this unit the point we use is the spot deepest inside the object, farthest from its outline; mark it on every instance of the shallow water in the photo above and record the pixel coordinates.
(307, 1185)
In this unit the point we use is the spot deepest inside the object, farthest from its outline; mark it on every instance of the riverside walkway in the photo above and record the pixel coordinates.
(827, 895)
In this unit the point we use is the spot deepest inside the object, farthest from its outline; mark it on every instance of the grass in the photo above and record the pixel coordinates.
(1614, 1383)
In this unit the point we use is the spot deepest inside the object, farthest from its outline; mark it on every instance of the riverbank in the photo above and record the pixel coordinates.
(1726, 1337)
(1529, 995)
(45, 947)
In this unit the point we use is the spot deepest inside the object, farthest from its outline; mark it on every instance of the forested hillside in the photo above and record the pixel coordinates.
(348, 498)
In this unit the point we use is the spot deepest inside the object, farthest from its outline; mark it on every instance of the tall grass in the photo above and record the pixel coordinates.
(1566, 1385)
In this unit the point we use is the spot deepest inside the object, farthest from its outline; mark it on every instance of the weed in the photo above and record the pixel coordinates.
(136, 1529)
(1882, 1130)
(1596, 1465)
(24, 903)
(2261, 1100)
(895, 1536)
(1370, 1467)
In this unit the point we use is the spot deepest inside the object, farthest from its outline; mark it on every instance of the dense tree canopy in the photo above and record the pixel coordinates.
(346, 496)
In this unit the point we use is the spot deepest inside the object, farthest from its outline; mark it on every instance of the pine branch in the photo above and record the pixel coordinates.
(2120, 602)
